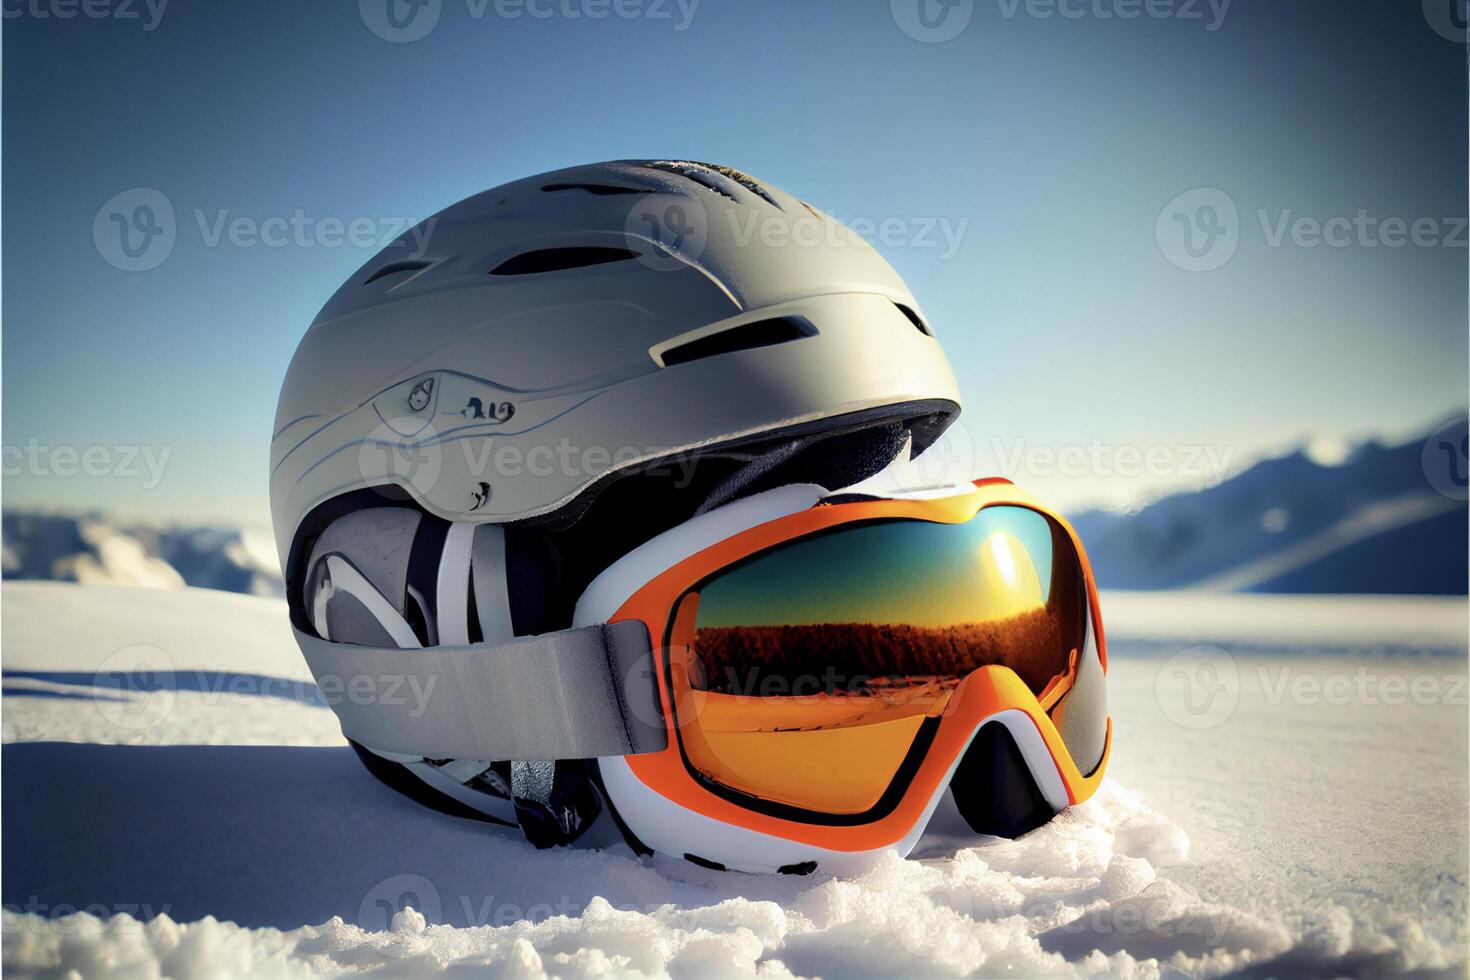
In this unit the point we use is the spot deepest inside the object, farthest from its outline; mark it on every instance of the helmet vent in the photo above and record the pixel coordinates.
(393, 268)
(702, 174)
(560, 259)
(913, 318)
(746, 336)
(602, 190)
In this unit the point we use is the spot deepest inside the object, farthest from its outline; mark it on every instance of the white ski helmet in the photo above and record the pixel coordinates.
(537, 380)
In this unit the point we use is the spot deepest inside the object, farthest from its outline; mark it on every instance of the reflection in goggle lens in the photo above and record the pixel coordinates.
(805, 673)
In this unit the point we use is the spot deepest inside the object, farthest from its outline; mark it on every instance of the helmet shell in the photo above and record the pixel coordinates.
(504, 355)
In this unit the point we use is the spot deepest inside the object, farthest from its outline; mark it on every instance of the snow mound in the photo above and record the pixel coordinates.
(1088, 895)
(1033, 906)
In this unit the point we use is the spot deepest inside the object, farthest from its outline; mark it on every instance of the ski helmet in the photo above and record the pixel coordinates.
(536, 381)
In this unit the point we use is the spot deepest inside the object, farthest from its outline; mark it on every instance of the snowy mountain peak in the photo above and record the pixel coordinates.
(1322, 519)
(94, 549)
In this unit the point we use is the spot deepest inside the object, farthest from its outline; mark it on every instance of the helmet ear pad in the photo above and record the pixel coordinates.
(396, 552)
(356, 588)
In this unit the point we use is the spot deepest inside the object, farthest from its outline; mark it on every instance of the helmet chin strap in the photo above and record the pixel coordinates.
(553, 803)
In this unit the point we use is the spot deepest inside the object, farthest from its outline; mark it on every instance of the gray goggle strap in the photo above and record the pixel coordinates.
(574, 694)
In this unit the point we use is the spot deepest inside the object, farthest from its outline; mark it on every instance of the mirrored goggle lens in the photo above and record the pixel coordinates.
(805, 674)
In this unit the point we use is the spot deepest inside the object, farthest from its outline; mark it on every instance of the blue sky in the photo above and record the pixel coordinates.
(1047, 146)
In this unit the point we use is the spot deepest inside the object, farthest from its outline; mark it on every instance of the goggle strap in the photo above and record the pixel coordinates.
(573, 694)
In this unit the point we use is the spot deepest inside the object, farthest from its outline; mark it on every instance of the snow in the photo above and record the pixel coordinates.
(1289, 623)
(1305, 814)
(56, 626)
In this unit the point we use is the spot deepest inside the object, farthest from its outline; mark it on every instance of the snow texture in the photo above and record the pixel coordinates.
(210, 821)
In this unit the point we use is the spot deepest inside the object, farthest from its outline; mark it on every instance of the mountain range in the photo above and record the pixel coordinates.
(1373, 523)
(92, 548)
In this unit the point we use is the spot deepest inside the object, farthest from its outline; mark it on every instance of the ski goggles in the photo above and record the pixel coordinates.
(823, 675)
(789, 681)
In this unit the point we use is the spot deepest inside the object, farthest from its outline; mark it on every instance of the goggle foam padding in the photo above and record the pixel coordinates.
(1081, 716)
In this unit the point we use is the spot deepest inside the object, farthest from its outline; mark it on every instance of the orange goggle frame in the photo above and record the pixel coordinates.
(980, 695)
